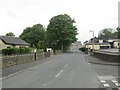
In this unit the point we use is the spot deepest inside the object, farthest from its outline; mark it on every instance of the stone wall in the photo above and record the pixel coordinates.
(110, 57)
(58, 51)
(20, 59)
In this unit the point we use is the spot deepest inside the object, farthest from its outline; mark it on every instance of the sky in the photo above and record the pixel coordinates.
(16, 15)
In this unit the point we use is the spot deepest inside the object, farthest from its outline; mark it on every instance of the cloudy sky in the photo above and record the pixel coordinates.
(16, 15)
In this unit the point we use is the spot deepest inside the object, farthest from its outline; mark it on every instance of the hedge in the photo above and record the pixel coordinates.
(83, 49)
(13, 51)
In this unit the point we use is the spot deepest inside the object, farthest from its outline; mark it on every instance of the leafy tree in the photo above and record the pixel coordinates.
(118, 30)
(61, 32)
(10, 34)
(108, 33)
(35, 36)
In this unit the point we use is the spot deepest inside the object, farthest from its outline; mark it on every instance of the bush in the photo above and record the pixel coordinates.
(14, 51)
(83, 49)
(40, 50)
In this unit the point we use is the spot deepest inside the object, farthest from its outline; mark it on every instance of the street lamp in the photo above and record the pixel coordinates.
(92, 41)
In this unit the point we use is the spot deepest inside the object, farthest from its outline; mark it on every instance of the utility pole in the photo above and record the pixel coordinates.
(92, 41)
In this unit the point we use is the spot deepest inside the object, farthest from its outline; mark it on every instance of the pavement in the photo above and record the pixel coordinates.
(95, 60)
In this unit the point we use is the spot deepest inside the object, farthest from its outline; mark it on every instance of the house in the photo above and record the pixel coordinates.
(9, 42)
(98, 44)
(114, 43)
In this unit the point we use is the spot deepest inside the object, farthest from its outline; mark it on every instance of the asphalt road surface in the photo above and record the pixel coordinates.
(61, 71)
(108, 75)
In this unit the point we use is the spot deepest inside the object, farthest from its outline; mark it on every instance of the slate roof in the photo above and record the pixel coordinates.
(98, 44)
(13, 40)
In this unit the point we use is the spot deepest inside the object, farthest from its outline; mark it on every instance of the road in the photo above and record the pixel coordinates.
(62, 71)
(108, 73)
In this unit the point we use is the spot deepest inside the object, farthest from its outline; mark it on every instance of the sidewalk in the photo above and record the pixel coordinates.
(94, 60)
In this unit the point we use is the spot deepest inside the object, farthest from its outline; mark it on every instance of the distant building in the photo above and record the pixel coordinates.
(76, 45)
(10, 42)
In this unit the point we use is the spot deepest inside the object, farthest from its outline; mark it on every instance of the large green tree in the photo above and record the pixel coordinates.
(61, 32)
(35, 36)
(108, 33)
(10, 34)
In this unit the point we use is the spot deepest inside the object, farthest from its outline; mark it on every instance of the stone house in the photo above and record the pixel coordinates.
(10, 42)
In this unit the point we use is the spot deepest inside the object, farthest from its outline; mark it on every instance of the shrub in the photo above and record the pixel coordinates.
(14, 51)
(83, 49)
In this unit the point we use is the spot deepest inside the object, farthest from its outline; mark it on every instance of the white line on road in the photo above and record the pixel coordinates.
(10, 75)
(114, 81)
(106, 85)
(59, 73)
(102, 81)
(61, 70)
(117, 84)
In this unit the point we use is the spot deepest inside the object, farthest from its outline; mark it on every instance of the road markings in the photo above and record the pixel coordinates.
(109, 78)
(61, 70)
(102, 81)
(114, 81)
(117, 84)
(10, 75)
(59, 73)
(106, 85)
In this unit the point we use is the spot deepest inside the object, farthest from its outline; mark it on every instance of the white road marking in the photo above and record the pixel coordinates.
(106, 85)
(10, 75)
(117, 84)
(107, 77)
(114, 81)
(59, 73)
(61, 70)
(102, 81)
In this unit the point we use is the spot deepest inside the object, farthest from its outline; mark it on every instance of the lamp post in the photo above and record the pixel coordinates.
(92, 41)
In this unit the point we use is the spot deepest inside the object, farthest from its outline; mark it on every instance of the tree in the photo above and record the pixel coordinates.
(108, 33)
(35, 36)
(61, 32)
(10, 34)
(118, 30)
